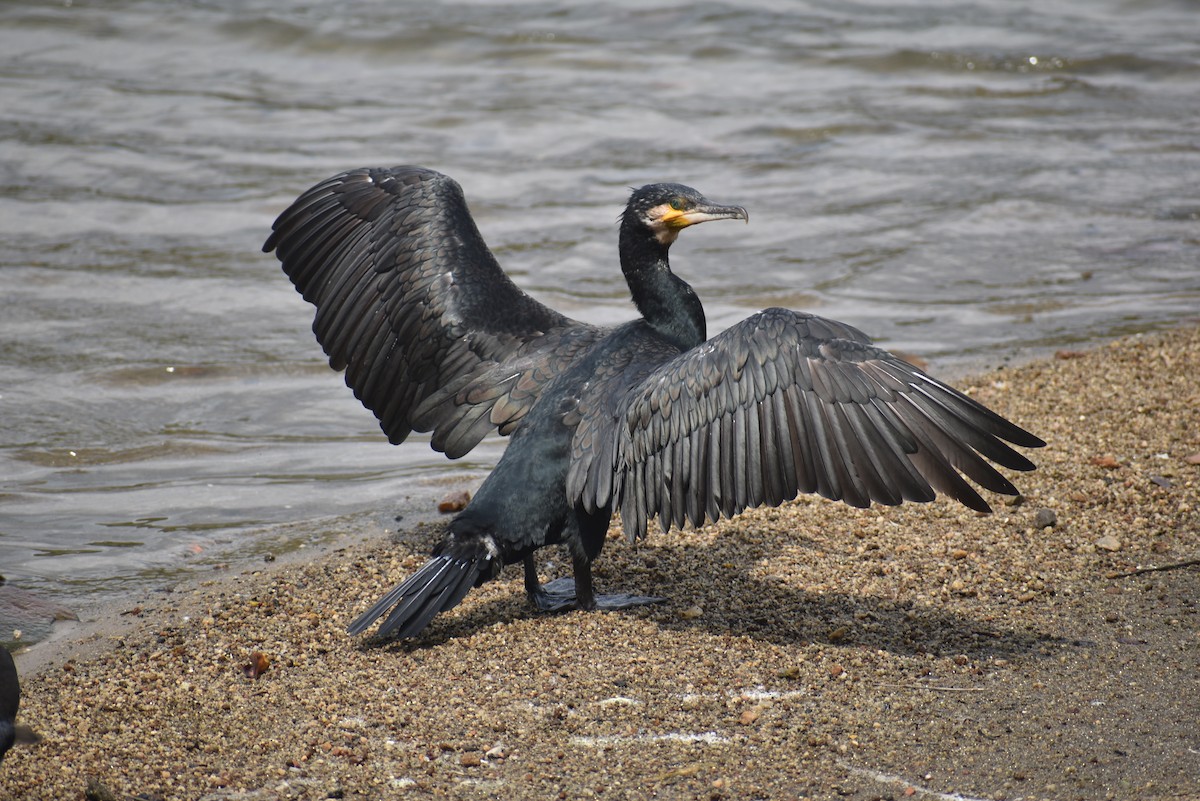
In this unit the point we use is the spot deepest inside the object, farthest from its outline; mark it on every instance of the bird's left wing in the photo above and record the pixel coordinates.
(786, 402)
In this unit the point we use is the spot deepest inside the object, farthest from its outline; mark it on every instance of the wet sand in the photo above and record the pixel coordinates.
(813, 651)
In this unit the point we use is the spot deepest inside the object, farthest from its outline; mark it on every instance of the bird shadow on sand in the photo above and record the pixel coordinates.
(713, 591)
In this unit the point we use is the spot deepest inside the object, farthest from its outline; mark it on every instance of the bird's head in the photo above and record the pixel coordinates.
(666, 209)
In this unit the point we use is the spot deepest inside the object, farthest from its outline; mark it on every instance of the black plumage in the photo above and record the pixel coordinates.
(10, 701)
(650, 418)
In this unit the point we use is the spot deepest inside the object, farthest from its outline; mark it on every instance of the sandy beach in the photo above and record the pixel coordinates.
(1050, 650)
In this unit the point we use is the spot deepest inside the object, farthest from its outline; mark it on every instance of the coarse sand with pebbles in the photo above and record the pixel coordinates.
(1050, 650)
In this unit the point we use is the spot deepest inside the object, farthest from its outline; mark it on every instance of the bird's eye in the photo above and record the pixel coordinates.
(679, 204)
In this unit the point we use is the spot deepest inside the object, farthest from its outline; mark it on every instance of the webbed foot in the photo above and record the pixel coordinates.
(559, 595)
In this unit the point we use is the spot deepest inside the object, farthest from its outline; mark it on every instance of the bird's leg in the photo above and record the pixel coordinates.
(532, 587)
(585, 594)
(576, 593)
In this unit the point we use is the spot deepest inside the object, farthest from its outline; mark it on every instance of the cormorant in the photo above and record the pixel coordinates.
(650, 417)
(10, 701)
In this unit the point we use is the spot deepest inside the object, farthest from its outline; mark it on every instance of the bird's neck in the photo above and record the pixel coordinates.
(665, 300)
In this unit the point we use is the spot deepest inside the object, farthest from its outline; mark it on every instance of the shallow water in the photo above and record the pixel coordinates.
(973, 183)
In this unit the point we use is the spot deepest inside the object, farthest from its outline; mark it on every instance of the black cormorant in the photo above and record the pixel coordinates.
(651, 417)
(10, 701)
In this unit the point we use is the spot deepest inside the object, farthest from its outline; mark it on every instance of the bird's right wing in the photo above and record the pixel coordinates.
(786, 402)
(431, 332)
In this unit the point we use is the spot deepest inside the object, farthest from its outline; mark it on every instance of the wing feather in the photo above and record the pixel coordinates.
(413, 306)
(786, 402)
(785, 444)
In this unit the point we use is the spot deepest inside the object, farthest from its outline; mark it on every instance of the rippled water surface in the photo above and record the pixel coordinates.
(970, 182)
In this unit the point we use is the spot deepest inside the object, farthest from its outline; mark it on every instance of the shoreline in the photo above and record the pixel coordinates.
(416, 502)
(112, 618)
(805, 651)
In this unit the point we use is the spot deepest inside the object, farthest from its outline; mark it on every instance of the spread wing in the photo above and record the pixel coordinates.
(786, 402)
(432, 334)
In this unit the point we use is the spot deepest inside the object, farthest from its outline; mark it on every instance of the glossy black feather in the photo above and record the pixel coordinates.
(861, 425)
(410, 301)
(437, 586)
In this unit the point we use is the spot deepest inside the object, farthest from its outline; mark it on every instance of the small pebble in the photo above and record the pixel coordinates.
(258, 665)
(1045, 517)
(1107, 461)
(95, 791)
(454, 502)
(1108, 543)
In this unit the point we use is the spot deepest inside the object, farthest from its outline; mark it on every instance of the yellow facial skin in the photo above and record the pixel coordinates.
(667, 221)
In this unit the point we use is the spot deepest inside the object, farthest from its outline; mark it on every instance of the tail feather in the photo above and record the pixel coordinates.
(412, 615)
(438, 586)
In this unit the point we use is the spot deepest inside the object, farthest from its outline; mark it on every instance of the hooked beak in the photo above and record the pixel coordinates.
(704, 213)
